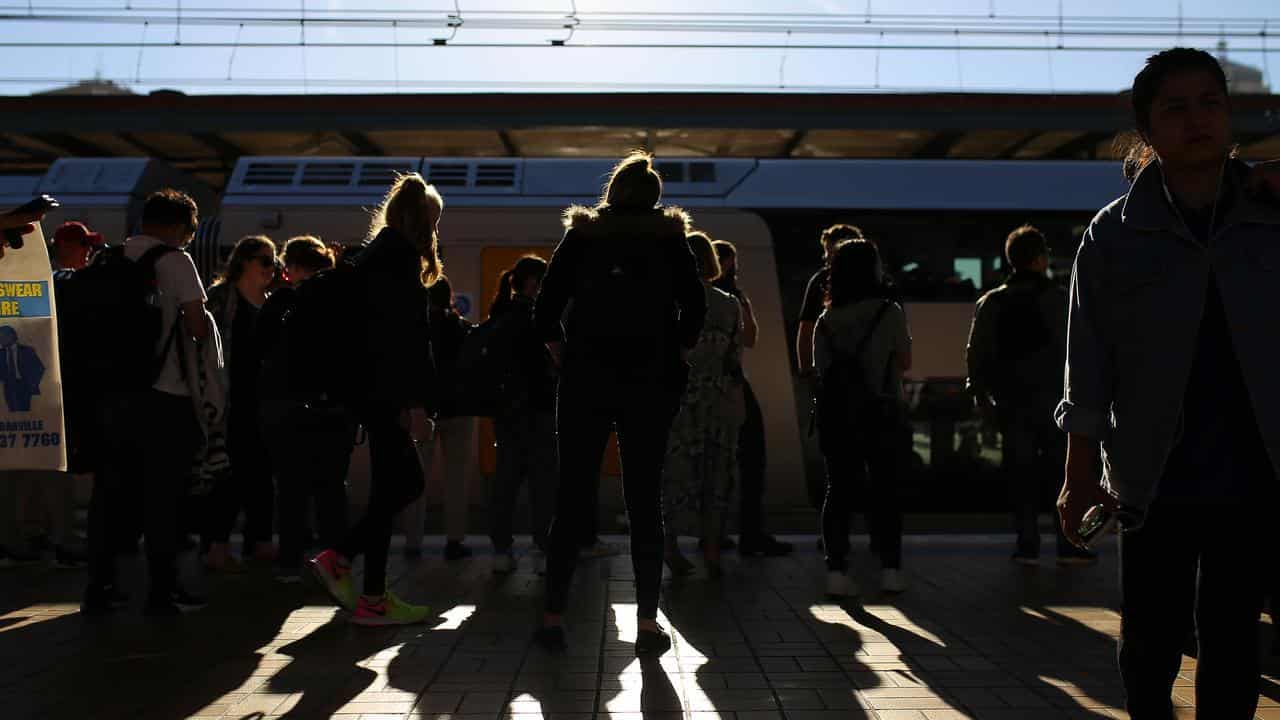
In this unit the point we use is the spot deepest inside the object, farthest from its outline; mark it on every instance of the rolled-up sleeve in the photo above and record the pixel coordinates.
(1088, 379)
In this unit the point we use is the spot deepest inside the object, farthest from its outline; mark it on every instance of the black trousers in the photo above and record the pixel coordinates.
(1035, 451)
(526, 451)
(311, 456)
(586, 414)
(248, 487)
(1202, 567)
(872, 471)
(396, 481)
(752, 459)
(150, 441)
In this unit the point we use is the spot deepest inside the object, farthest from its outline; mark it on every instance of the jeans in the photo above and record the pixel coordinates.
(311, 455)
(752, 460)
(585, 416)
(874, 470)
(1035, 451)
(396, 480)
(526, 450)
(151, 439)
(249, 486)
(1201, 567)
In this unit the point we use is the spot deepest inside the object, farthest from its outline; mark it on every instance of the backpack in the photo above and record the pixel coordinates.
(320, 353)
(110, 323)
(1022, 337)
(486, 378)
(625, 302)
(847, 409)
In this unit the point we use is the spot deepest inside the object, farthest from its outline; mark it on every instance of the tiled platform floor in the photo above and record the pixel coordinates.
(975, 637)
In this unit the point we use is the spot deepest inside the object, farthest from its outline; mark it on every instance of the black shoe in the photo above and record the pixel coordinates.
(455, 550)
(652, 643)
(186, 601)
(1025, 558)
(102, 599)
(161, 608)
(551, 638)
(726, 543)
(14, 558)
(766, 545)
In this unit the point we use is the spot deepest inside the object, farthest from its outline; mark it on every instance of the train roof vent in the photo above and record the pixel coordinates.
(382, 173)
(447, 174)
(270, 172)
(327, 174)
(495, 175)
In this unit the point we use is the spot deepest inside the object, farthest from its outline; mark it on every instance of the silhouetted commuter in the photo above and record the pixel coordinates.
(151, 432)
(815, 298)
(235, 301)
(635, 308)
(310, 446)
(453, 440)
(525, 427)
(390, 388)
(862, 346)
(1171, 371)
(73, 245)
(701, 468)
(752, 450)
(1016, 348)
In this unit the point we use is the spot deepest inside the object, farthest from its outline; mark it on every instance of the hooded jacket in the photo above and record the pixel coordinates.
(639, 338)
(1138, 293)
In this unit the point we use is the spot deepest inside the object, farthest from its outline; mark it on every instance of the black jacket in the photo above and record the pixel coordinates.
(398, 370)
(634, 338)
(448, 330)
(537, 377)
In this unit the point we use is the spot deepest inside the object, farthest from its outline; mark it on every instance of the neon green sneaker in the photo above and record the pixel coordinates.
(388, 610)
(333, 573)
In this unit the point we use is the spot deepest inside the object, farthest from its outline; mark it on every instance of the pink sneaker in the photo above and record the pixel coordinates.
(334, 574)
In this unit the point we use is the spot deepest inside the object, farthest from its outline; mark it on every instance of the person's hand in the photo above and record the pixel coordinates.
(1264, 179)
(417, 424)
(555, 348)
(1081, 490)
(23, 222)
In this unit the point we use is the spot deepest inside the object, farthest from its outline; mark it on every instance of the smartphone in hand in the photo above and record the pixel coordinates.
(37, 205)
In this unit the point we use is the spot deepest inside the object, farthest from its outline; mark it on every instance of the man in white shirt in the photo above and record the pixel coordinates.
(153, 433)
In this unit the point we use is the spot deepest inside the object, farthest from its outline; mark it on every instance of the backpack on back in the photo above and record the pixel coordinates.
(847, 408)
(485, 377)
(626, 299)
(1022, 340)
(319, 356)
(110, 323)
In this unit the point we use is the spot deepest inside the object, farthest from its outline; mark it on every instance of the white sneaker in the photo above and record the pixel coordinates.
(840, 585)
(504, 563)
(893, 581)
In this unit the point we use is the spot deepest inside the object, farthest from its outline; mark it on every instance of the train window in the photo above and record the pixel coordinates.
(672, 172)
(968, 269)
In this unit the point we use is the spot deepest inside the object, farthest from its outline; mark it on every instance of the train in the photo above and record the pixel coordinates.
(940, 225)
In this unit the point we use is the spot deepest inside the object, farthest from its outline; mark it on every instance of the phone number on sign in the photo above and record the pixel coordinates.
(29, 440)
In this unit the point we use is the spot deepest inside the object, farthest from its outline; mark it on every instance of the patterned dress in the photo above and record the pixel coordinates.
(701, 466)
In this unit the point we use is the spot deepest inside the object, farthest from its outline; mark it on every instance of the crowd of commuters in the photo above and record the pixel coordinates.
(636, 325)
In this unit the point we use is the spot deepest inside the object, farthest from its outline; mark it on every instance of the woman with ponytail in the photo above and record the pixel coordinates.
(525, 427)
(1172, 398)
(391, 396)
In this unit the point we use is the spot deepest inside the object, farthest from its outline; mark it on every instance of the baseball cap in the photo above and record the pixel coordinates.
(73, 231)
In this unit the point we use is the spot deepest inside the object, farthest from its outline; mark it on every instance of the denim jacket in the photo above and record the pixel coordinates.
(1138, 292)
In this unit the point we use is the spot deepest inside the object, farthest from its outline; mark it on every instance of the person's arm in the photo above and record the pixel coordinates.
(750, 328)
(804, 346)
(194, 321)
(980, 351)
(555, 293)
(690, 296)
(809, 311)
(1084, 413)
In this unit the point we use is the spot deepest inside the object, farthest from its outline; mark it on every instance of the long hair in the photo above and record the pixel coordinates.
(529, 266)
(856, 273)
(633, 184)
(1146, 86)
(705, 254)
(241, 254)
(307, 252)
(413, 208)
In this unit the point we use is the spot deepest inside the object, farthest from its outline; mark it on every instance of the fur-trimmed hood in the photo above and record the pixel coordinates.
(663, 220)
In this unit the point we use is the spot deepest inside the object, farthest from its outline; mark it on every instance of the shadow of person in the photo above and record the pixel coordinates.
(325, 673)
(61, 663)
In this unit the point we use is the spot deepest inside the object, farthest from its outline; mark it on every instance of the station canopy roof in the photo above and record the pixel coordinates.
(205, 134)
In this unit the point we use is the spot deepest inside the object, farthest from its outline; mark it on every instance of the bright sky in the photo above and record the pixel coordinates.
(231, 69)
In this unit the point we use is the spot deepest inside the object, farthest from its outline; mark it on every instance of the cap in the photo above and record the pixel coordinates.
(73, 231)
